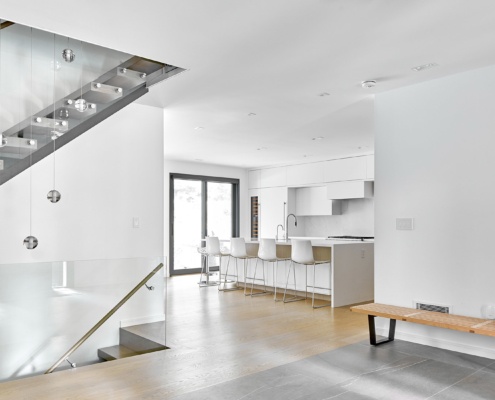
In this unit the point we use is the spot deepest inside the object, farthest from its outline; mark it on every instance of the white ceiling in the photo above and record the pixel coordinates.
(273, 58)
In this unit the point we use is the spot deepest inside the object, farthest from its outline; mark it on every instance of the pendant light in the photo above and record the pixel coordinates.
(31, 242)
(67, 54)
(81, 105)
(54, 195)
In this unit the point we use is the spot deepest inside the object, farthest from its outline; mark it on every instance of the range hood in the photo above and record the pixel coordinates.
(349, 190)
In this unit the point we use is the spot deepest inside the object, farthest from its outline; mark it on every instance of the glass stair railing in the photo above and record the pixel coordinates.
(31, 139)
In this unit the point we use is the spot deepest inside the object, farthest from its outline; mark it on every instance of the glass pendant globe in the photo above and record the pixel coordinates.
(81, 105)
(54, 196)
(30, 242)
(68, 55)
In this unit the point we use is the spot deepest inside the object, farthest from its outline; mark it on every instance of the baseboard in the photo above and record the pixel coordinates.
(290, 292)
(142, 320)
(441, 343)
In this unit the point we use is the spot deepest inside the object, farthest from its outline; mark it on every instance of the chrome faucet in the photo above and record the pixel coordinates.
(287, 226)
(279, 225)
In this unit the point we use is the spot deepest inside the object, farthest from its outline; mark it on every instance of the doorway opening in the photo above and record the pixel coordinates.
(200, 206)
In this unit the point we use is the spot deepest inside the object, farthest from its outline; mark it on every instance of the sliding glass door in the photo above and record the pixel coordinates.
(200, 206)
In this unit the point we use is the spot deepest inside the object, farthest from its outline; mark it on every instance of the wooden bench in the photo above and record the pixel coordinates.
(441, 320)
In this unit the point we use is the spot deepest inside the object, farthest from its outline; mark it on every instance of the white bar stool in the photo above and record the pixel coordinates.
(205, 271)
(238, 252)
(302, 253)
(267, 251)
(213, 250)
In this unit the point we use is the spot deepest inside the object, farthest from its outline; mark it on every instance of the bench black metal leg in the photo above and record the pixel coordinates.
(391, 331)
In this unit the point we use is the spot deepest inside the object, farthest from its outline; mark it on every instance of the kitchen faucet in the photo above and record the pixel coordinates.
(287, 226)
(279, 225)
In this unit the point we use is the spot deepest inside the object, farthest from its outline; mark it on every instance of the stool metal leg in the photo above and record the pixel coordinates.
(314, 281)
(225, 289)
(295, 297)
(254, 278)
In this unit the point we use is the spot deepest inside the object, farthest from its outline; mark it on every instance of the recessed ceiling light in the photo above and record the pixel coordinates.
(323, 94)
(199, 127)
(251, 114)
(261, 148)
(425, 66)
(198, 159)
(368, 84)
(318, 138)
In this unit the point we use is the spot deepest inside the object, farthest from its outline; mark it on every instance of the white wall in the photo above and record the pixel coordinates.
(434, 163)
(192, 168)
(357, 219)
(107, 176)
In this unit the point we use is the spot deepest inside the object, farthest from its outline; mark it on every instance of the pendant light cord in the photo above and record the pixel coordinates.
(31, 150)
(54, 105)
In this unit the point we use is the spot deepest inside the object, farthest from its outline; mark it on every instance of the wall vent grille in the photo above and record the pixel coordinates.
(433, 307)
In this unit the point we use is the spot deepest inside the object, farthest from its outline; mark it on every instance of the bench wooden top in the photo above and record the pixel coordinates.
(456, 322)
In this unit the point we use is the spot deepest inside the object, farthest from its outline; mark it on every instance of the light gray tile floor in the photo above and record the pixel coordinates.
(393, 371)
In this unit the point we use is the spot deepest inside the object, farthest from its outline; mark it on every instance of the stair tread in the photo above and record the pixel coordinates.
(119, 351)
(154, 331)
(116, 352)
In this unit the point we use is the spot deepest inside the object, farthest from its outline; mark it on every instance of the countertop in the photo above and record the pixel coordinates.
(320, 242)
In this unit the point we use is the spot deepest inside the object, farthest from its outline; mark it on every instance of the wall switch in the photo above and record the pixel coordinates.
(135, 222)
(488, 311)
(404, 224)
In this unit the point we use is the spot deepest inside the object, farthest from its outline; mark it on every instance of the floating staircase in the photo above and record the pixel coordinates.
(31, 139)
(136, 340)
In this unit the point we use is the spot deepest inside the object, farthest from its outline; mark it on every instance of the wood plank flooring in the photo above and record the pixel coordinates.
(214, 337)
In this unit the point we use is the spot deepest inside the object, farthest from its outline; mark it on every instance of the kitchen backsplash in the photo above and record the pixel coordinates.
(357, 219)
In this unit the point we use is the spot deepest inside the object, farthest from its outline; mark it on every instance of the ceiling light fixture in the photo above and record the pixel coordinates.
(368, 84)
(251, 114)
(199, 128)
(323, 94)
(261, 148)
(318, 138)
(423, 67)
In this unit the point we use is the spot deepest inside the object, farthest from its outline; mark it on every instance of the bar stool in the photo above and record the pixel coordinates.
(238, 252)
(267, 251)
(205, 270)
(213, 250)
(302, 253)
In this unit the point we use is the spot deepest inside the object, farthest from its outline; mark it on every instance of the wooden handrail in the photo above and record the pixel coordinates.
(104, 319)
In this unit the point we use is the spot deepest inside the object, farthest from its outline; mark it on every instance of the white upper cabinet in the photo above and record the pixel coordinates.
(345, 169)
(370, 167)
(271, 210)
(349, 190)
(313, 201)
(305, 174)
(273, 177)
(254, 179)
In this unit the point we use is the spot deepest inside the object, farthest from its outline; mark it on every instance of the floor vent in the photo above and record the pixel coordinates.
(433, 307)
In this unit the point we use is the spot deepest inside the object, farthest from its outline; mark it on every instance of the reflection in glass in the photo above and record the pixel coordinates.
(187, 223)
(219, 209)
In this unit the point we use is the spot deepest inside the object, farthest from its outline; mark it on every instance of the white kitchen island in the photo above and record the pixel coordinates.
(350, 274)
